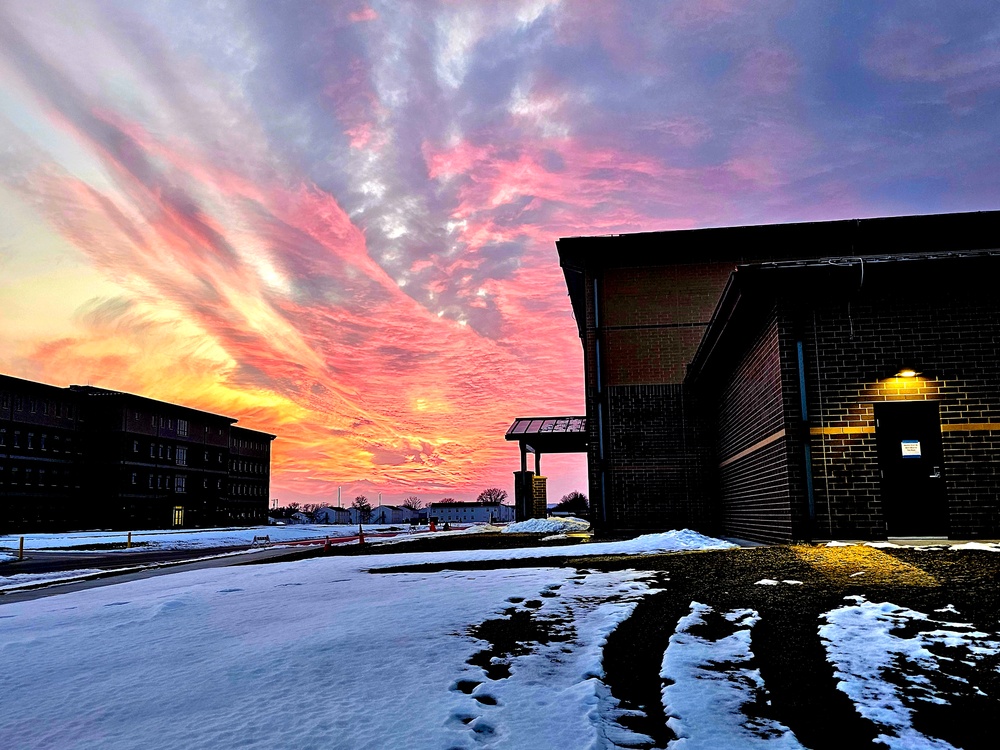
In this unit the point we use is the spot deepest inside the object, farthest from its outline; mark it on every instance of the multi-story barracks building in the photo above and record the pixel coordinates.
(85, 457)
(793, 382)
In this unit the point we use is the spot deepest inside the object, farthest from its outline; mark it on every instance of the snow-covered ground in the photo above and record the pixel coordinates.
(313, 654)
(241, 536)
(324, 653)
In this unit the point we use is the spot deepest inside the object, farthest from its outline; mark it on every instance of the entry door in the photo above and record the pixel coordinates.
(908, 436)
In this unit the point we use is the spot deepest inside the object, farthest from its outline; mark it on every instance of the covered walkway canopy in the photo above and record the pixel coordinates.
(548, 435)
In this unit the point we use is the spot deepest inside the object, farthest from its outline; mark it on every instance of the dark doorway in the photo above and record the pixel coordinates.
(908, 436)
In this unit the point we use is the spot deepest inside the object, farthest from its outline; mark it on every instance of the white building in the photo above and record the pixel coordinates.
(392, 514)
(328, 514)
(471, 512)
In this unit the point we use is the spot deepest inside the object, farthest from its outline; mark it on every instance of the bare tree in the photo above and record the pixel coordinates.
(492, 496)
(574, 502)
(448, 500)
(413, 503)
(363, 507)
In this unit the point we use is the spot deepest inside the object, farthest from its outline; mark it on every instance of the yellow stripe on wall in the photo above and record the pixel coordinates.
(868, 429)
(863, 430)
(755, 447)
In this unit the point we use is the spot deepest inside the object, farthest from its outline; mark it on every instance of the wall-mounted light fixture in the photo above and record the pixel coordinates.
(906, 372)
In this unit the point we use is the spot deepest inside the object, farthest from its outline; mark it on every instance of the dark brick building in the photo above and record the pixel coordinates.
(85, 457)
(747, 380)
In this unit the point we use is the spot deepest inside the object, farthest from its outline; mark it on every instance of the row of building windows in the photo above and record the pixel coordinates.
(30, 476)
(249, 444)
(246, 467)
(248, 490)
(178, 483)
(167, 423)
(38, 406)
(178, 455)
(31, 440)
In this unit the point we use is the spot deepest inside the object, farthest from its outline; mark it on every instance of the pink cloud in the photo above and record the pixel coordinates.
(365, 14)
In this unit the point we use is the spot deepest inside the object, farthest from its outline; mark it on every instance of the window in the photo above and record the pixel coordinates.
(204, 484)
(32, 405)
(152, 450)
(134, 477)
(180, 484)
(218, 484)
(170, 424)
(163, 422)
(3, 436)
(41, 443)
(168, 452)
(27, 476)
(220, 457)
(41, 477)
(150, 481)
(182, 456)
(135, 446)
(178, 515)
(182, 427)
(31, 441)
(160, 451)
(159, 482)
(169, 481)
(18, 403)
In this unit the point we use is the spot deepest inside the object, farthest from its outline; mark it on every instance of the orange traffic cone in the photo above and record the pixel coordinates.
(361, 535)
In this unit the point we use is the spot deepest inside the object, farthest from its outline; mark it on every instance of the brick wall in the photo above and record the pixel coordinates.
(655, 317)
(656, 459)
(650, 324)
(753, 442)
(852, 351)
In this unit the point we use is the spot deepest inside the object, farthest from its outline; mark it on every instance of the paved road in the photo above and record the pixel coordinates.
(159, 563)
(37, 561)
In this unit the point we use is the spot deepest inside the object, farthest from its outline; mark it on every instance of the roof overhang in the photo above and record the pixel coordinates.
(550, 434)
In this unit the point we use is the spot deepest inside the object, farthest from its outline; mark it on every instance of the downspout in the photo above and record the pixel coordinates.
(602, 500)
(807, 449)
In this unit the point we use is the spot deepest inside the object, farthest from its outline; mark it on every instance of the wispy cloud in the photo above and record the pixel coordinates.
(337, 222)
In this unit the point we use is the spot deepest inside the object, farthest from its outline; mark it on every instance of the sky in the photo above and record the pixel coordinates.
(336, 221)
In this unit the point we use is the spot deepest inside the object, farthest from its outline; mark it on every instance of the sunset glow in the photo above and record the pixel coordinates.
(336, 222)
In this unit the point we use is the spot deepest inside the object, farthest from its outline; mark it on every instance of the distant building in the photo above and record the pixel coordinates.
(86, 457)
(471, 512)
(392, 514)
(794, 381)
(329, 514)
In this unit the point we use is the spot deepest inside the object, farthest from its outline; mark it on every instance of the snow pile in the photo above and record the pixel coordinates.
(7, 557)
(772, 582)
(864, 642)
(672, 541)
(28, 579)
(986, 546)
(706, 706)
(547, 526)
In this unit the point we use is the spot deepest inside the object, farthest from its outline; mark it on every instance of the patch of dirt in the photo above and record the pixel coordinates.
(514, 635)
